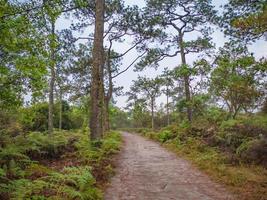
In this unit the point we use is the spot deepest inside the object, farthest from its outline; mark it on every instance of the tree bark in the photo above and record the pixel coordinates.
(60, 109)
(96, 119)
(108, 96)
(152, 113)
(52, 81)
(168, 111)
(106, 115)
(186, 79)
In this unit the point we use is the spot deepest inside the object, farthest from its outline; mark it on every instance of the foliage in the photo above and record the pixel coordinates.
(24, 173)
(22, 66)
(215, 115)
(245, 19)
(149, 89)
(119, 118)
(34, 118)
(165, 135)
(71, 183)
(236, 79)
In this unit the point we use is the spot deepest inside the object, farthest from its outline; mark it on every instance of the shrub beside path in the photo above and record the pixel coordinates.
(147, 171)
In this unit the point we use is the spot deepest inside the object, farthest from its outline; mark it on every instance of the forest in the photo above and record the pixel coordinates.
(77, 76)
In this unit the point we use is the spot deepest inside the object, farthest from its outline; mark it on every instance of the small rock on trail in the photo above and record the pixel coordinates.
(147, 171)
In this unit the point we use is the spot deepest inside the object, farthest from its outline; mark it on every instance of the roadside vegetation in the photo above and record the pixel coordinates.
(233, 152)
(64, 165)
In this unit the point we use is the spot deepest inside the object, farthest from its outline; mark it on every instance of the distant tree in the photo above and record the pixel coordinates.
(139, 113)
(119, 118)
(149, 89)
(236, 78)
(199, 73)
(168, 82)
(184, 18)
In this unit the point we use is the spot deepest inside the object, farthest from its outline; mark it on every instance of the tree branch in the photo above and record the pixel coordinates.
(130, 65)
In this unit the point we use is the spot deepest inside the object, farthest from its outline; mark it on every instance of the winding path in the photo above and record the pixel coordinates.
(146, 171)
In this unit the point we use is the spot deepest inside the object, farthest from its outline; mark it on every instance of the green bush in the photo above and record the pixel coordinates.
(13, 161)
(111, 143)
(34, 118)
(165, 135)
(253, 151)
(215, 115)
(229, 124)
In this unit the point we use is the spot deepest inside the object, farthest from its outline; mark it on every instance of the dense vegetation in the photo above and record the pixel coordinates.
(57, 91)
(59, 166)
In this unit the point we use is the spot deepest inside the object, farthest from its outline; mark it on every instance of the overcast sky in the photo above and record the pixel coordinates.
(259, 49)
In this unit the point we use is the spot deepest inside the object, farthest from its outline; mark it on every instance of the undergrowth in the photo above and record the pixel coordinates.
(59, 166)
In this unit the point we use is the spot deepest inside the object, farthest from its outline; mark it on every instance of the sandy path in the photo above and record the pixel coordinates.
(146, 171)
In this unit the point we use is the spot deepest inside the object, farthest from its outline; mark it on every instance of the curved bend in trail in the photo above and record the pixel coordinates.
(146, 171)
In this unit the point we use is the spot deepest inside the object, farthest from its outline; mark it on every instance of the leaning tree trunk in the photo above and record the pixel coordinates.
(186, 79)
(97, 69)
(52, 81)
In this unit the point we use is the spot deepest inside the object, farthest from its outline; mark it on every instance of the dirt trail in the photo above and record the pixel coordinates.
(146, 171)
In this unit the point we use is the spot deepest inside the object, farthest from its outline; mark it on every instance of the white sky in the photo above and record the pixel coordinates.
(259, 49)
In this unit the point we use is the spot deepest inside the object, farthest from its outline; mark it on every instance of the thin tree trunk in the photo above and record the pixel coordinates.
(60, 109)
(52, 81)
(236, 112)
(152, 113)
(168, 111)
(97, 74)
(102, 99)
(108, 96)
(106, 118)
(186, 79)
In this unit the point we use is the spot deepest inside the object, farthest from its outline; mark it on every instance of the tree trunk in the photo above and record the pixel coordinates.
(168, 111)
(106, 117)
(60, 110)
(108, 96)
(97, 74)
(152, 113)
(186, 79)
(52, 81)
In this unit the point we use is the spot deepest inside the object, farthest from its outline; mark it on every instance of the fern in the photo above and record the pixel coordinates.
(13, 160)
(38, 145)
(25, 189)
(22, 178)
(75, 182)
(2, 173)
